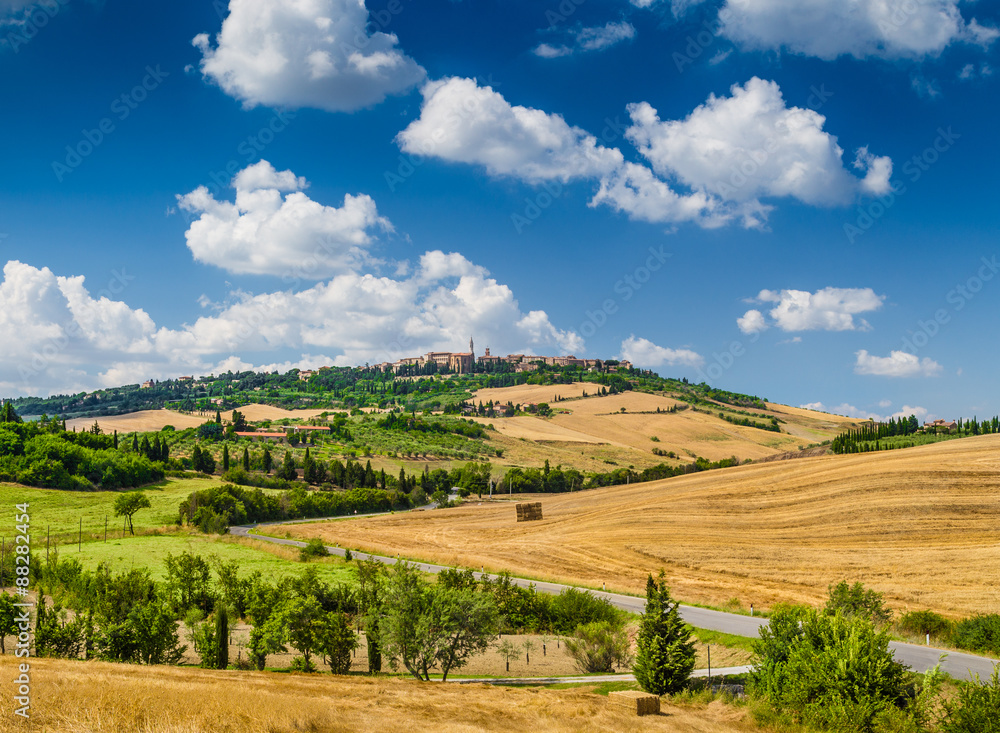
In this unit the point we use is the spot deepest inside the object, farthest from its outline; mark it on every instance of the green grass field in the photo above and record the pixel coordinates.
(60, 512)
(150, 551)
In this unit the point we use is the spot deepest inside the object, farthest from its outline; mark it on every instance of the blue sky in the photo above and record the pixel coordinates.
(798, 206)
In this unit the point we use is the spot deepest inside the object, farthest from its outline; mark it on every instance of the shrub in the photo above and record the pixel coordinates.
(313, 548)
(979, 633)
(975, 710)
(856, 600)
(924, 622)
(599, 647)
(831, 671)
(573, 608)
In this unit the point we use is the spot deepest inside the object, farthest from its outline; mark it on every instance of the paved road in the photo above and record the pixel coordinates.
(919, 658)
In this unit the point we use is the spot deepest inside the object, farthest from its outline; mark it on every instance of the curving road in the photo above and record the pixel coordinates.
(919, 658)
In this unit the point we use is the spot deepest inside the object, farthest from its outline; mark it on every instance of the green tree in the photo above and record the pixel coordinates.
(188, 581)
(127, 504)
(304, 620)
(430, 627)
(371, 584)
(287, 470)
(267, 633)
(225, 458)
(268, 460)
(337, 642)
(665, 651)
(222, 636)
(246, 459)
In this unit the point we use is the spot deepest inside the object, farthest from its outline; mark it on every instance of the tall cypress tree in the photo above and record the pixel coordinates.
(665, 652)
(246, 459)
(225, 458)
(221, 637)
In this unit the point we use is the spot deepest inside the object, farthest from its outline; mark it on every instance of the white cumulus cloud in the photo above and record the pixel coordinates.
(644, 353)
(849, 410)
(273, 228)
(60, 337)
(752, 321)
(462, 122)
(829, 309)
(727, 156)
(860, 28)
(751, 145)
(306, 53)
(897, 364)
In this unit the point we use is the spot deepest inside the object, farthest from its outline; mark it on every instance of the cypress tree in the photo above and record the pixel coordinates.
(221, 637)
(246, 459)
(665, 652)
(225, 458)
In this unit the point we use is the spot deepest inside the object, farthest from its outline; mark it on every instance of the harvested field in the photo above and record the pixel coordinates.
(534, 392)
(143, 421)
(152, 420)
(921, 525)
(98, 697)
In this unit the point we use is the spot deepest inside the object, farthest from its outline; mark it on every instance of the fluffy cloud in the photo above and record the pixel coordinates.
(644, 353)
(897, 364)
(589, 39)
(60, 337)
(831, 28)
(727, 155)
(265, 233)
(848, 410)
(306, 53)
(56, 333)
(750, 145)
(829, 309)
(462, 122)
(752, 321)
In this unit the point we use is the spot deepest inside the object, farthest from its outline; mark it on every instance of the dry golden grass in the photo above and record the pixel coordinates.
(95, 697)
(595, 431)
(534, 393)
(921, 525)
(151, 420)
(143, 421)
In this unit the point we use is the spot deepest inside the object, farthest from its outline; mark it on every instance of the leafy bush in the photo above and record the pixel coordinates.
(573, 608)
(831, 671)
(313, 548)
(600, 647)
(977, 706)
(856, 600)
(979, 633)
(924, 622)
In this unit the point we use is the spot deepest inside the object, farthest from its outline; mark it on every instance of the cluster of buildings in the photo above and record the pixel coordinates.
(948, 425)
(463, 362)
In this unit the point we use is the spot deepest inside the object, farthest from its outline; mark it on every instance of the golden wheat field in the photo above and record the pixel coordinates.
(96, 697)
(921, 525)
(151, 420)
(593, 432)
